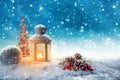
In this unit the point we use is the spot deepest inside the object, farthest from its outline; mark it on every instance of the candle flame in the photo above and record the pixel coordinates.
(39, 55)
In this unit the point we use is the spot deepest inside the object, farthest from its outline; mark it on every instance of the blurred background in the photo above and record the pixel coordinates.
(91, 27)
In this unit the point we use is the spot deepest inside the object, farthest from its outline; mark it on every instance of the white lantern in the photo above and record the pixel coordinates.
(40, 45)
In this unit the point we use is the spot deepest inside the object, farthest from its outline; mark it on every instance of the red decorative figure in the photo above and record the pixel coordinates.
(67, 66)
(23, 44)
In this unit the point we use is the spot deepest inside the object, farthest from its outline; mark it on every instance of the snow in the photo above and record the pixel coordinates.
(31, 5)
(114, 6)
(40, 8)
(30, 70)
(75, 4)
(12, 1)
(62, 22)
(116, 24)
(81, 30)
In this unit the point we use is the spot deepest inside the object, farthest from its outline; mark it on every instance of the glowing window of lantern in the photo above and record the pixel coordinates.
(32, 49)
(40, 52)
(39, 55)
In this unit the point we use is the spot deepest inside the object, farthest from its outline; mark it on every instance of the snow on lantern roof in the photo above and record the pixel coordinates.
(39, 37)
(40, 25)
(40, 29)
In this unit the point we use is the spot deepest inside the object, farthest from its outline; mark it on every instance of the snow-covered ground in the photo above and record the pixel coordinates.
(28, 70)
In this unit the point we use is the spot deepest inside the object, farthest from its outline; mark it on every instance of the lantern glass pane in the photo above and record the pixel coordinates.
(32, 49)
(40, 52)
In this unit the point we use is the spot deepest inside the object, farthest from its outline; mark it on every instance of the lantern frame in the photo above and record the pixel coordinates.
(46, 51)
(40, 39)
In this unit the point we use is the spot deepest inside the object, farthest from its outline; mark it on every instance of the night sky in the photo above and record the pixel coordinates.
(96, 20)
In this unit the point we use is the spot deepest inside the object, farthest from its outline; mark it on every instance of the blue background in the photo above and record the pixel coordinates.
(67, 21)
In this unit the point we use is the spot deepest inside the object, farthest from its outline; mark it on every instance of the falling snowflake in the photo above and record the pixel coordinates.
(75, 4)
(114, 6)
(40, 8)
(31, 5)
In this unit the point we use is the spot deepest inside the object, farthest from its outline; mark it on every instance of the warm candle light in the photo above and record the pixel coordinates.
(40, 44)
(39, 55)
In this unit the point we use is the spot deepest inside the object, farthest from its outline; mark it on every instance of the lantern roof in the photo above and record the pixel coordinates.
(40, 36)
(40, 39)
(40, 29)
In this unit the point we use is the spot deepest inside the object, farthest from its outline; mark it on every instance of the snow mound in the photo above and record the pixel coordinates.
(52, 71)
(10, 55)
